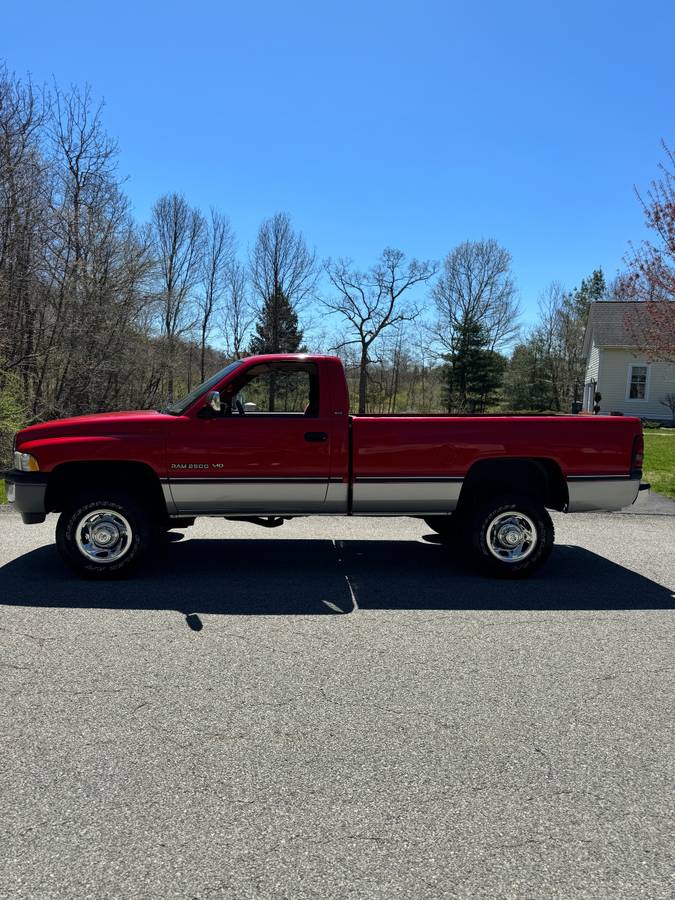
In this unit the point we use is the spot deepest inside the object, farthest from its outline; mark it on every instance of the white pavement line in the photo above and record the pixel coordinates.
(332, 606)
(355, 603)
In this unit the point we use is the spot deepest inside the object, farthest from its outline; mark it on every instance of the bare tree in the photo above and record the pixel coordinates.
(218, 259)
(178, 232)
(24, 187)
(669, 402)
(281, 262)
(283, 274)
(475, 285)
(238, 314)
(551, 341)
(422, 385)
(96, 259)
(373, 301)
(78, 285)
(651, 275)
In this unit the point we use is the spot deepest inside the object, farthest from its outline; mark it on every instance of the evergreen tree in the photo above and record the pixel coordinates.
(546, 371)
(577, 304)
(527, 383)
(277, 329)
(572, 328)
(473, 372)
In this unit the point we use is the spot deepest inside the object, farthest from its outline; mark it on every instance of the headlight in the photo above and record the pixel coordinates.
(24, 462)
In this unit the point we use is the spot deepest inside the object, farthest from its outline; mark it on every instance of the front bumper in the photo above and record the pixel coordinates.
(27, 490)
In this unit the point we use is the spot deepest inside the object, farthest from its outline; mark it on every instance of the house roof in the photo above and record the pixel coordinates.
(607, 324)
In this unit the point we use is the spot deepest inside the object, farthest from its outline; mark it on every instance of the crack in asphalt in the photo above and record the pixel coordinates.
(546, 758)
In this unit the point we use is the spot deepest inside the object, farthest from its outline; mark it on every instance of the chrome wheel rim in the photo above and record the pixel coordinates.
(103, 536)
(511, 537)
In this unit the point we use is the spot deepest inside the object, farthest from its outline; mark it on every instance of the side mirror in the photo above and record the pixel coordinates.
(213, 401)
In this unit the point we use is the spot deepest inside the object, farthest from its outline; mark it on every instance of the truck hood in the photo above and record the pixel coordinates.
(99, 423)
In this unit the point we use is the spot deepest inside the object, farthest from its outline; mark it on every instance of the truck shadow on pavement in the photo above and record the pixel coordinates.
(315, 577)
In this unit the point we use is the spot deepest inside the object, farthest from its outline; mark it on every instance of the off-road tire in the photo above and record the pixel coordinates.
(143, 525)
(481, 537)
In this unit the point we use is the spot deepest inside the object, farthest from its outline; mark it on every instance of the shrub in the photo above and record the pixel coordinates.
(12, 415)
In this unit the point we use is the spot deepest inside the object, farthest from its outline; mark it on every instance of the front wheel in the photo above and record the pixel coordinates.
(104, 534)
(511, 536)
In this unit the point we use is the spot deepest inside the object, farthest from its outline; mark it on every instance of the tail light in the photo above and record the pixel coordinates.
(637, 456)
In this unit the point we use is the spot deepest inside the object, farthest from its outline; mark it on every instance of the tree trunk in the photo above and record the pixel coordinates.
(202, 357)
(363, 381)
(169, 390)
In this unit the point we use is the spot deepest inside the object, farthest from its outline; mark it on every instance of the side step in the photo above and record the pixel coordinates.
(263, 521)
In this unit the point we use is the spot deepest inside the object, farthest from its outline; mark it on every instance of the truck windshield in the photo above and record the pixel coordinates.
(179, 407)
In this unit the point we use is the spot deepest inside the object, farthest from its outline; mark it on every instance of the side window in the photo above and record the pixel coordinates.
(277, 390)
(638, 383)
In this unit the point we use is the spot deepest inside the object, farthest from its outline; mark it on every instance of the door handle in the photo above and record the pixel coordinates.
(317, 436)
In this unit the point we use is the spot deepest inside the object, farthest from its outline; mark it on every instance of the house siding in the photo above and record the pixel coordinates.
(613, 365)
(591, 379)
(592, 368)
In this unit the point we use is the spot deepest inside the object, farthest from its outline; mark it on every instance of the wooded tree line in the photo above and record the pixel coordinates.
(99, 311)
(546, 370)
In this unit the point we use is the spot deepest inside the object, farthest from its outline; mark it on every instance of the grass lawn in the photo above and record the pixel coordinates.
(3, 493)
(659, 464)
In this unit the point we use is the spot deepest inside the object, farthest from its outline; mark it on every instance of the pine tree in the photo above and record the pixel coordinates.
(589, 291)
(573, 319)
(277, 329)
(473, 372)
(527, 384)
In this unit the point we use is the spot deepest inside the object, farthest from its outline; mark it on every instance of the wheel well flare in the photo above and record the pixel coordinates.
(539, 478)
(69, 479)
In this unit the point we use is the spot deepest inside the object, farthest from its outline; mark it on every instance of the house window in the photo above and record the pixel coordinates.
(637, 383)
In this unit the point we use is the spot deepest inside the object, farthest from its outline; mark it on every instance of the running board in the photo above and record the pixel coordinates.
(263, 521)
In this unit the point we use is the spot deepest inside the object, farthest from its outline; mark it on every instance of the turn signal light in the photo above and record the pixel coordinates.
(24, 462)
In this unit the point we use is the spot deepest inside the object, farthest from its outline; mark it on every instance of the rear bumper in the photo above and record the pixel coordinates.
(27, 490)
(588, 493)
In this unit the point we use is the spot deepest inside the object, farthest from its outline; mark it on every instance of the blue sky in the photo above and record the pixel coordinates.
(415, 125)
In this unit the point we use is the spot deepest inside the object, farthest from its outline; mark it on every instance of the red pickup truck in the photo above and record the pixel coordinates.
(269, 438)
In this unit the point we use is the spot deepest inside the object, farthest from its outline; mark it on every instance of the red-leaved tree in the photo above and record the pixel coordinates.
(651, 269)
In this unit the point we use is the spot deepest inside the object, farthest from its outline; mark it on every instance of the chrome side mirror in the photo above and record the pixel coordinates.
(213, 401)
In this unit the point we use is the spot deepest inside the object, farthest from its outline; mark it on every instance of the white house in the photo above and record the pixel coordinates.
(626, 379)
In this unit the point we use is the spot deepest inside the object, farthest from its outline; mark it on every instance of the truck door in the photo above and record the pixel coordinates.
(268, 452)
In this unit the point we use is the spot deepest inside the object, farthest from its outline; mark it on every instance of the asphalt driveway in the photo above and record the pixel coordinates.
(337, 708)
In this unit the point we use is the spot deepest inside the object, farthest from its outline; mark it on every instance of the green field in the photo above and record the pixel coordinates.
(659, 467)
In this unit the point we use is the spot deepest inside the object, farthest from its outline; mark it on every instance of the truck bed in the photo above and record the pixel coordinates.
(418, 464)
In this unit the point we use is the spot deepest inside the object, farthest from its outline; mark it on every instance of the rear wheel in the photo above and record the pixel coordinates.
(511, 536)
(105, 534)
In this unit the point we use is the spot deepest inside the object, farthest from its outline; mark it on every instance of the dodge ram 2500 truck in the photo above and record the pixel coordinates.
(269, 438)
